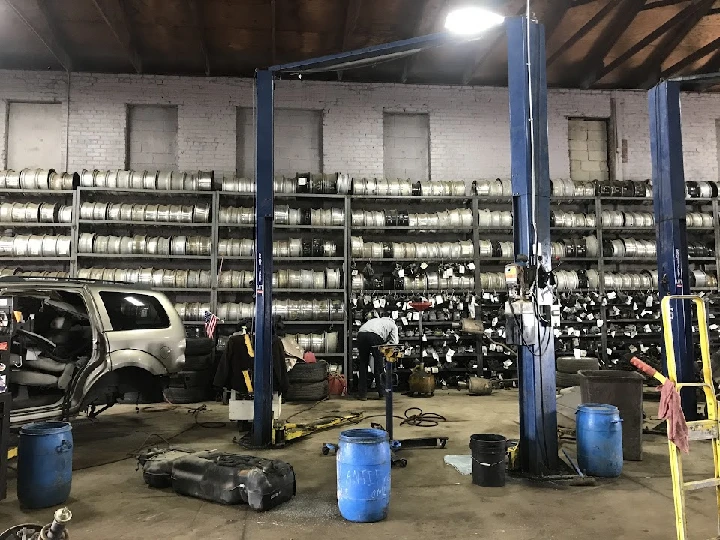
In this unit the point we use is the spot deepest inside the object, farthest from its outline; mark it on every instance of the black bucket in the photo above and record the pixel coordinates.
(488, 459)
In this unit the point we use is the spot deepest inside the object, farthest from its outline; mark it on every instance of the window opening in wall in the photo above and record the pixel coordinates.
(588, 146)
(298, 141)
(152, 132)
(35, 136)
(406, 146)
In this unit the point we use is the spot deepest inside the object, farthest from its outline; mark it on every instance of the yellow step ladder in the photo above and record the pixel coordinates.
(701, 430)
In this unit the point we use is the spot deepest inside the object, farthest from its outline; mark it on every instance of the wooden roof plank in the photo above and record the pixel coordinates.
(624, 16)
(427, 18)
(640, 45)
(115, 16)
(35, 15)
(691, 58)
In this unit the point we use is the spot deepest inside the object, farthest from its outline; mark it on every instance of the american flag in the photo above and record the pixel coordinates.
(210, 323)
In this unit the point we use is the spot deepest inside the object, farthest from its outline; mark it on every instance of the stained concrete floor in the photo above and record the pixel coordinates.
(429, 499)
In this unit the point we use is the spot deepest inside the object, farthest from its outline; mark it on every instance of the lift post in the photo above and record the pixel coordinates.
(531, 223)
(668, 179)
(264, 214)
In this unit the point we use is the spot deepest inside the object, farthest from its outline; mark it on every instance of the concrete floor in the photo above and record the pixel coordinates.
(429, 499)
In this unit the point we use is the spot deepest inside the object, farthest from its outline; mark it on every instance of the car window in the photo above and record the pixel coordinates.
(131, 311)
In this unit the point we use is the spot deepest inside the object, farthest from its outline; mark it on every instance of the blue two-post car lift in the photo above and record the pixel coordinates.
(531, 207)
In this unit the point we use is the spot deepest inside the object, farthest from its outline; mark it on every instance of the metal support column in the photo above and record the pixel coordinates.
(670, 211)
(527, 87)
(264, 213)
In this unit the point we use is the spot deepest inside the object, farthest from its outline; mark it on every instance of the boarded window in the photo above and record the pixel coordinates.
(298, 142)
(35, 136)
(152, 137)
(588, 143)
(406, 145)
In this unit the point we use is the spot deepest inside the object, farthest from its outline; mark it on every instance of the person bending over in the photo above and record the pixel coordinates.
(374, 332)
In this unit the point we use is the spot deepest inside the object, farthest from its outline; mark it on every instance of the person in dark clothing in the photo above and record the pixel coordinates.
(371, 334)
(239, 356)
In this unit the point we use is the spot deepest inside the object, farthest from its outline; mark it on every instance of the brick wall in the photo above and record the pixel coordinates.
(406, 146)
(587, 140)
(468, 126)
(152, 137)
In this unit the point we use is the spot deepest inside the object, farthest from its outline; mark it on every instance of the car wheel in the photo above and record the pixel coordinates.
(199, 362)
(314, 391)
(564, 380)
(191, 379)
(571, 365)
(308, 373)
(198, 346)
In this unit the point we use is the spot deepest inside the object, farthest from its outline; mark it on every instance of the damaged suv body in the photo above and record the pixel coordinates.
(82, 344)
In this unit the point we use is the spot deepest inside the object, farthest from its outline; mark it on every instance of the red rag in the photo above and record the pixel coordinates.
(309, 357)
(671, 411)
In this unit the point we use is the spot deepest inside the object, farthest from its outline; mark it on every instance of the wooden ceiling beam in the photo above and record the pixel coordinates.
(427, 18)
(36, 16)
(649, 72)
(582, 31)
(114, 14)
(517, 8)
(352, 14)
(644, 42)
(624, 16)
(691, 58)
(663, 3)
(199, 20)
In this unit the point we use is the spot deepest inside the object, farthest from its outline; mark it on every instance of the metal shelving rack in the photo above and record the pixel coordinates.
(65, 196)
(152, 228)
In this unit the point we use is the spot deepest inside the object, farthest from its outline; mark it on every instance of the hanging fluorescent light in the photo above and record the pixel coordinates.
(471, 20)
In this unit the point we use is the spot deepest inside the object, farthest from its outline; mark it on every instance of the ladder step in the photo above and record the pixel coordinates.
(701, 484)
(703, 430)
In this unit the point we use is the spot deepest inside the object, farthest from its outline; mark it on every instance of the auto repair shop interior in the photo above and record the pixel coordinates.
(294, 269)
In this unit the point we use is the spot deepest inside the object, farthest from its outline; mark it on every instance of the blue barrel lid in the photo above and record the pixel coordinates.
(45, 428)
(364, 436)
(598, 408)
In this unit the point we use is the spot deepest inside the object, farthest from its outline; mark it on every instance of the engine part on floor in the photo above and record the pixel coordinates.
(220, 477)
(478, 386)
(420, 382)
(57, 530)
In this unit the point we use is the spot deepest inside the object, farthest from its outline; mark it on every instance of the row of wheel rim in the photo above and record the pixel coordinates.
(141, 245)
(18, 212)
(154, 277)
(152, 180)
(175, 213)
(35, 245)
(411, 250)
(38, 179)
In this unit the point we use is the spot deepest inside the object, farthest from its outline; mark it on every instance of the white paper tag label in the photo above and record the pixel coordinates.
(404, 321)
(471, 266)
(424, 337)
(401, 273)
(438, 300)
(394, 314)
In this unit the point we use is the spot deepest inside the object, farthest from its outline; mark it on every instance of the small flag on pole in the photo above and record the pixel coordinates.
(210, 323)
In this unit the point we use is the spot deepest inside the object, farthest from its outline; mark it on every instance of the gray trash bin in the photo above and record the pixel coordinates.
(624, 390)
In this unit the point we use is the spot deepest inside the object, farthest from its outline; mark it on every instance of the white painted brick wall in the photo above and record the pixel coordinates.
(406, 145)
(35, 135)
(468, 126)
(152, 137)
(587, 140)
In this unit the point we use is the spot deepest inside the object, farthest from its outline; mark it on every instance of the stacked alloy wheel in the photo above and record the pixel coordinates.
(567, 368)
(308, 382)
(194, 383)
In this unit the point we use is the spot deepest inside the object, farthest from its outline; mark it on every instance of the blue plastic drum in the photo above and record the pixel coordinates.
(363, 475)
(44, 464)
(599, 440)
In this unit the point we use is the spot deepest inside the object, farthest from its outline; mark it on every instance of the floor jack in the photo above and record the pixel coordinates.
(392, 353)
(241, 409)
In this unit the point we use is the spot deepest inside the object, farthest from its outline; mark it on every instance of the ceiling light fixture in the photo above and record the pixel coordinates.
(471, 20)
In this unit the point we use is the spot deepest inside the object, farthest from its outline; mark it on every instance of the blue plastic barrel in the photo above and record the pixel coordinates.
(44, 473)
(599, 440)
(363, 475)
